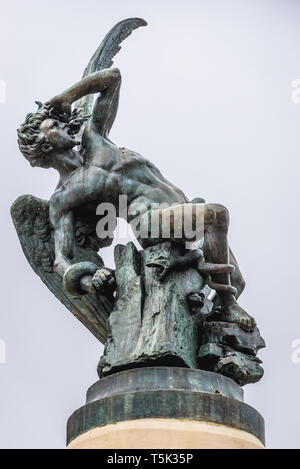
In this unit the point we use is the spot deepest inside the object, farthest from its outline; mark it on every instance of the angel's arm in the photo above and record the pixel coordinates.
(64, 245)
(64, 242)
(107, 82)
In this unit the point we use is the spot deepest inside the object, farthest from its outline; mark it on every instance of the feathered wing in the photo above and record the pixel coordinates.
(103, 57)
(31, 219)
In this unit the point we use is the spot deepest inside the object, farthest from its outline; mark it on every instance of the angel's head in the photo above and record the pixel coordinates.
(46, 133)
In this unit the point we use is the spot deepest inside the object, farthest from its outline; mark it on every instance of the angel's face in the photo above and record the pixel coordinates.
(58, 134)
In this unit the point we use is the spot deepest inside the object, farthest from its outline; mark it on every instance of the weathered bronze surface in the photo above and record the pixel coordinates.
(153, 322)
(157, 307)
(162, 378)
(175, 401)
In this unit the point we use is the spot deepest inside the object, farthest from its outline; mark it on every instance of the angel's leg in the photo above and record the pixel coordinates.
(216, 250)
(236, 277)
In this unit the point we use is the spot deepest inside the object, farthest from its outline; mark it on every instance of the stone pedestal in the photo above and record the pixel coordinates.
(167, 408)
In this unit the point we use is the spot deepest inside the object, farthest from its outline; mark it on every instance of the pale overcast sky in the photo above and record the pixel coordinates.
(207, 96)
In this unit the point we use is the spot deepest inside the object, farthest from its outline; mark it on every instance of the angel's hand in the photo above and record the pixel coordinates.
(102, 280)
(61, 105)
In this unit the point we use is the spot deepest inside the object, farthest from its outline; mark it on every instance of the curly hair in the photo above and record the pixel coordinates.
(33, 144)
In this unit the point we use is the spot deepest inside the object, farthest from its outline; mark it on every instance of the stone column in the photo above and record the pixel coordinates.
(165, 408)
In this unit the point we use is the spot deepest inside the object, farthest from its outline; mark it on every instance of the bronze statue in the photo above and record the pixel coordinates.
(71, 134)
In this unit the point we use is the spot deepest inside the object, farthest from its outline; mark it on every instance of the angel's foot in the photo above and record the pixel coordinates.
(235, 313)
(231, 311)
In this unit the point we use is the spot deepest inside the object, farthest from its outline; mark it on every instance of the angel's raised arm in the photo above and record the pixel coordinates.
(105, 81)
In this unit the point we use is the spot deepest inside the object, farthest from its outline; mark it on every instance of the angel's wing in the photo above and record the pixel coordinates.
(103, 57)
(31, 219)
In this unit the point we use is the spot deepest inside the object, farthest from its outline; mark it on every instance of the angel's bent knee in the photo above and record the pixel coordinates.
(216, 216)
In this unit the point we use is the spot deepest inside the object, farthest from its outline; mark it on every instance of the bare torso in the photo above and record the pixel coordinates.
(110, 171)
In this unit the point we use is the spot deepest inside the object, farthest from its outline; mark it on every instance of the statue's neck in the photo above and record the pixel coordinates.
(66, 163)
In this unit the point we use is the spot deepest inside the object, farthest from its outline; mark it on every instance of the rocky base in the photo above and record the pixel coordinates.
(164, 320)
(151, 323)
(226, 349)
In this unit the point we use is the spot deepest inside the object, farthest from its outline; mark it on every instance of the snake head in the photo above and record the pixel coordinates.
(196, 301)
